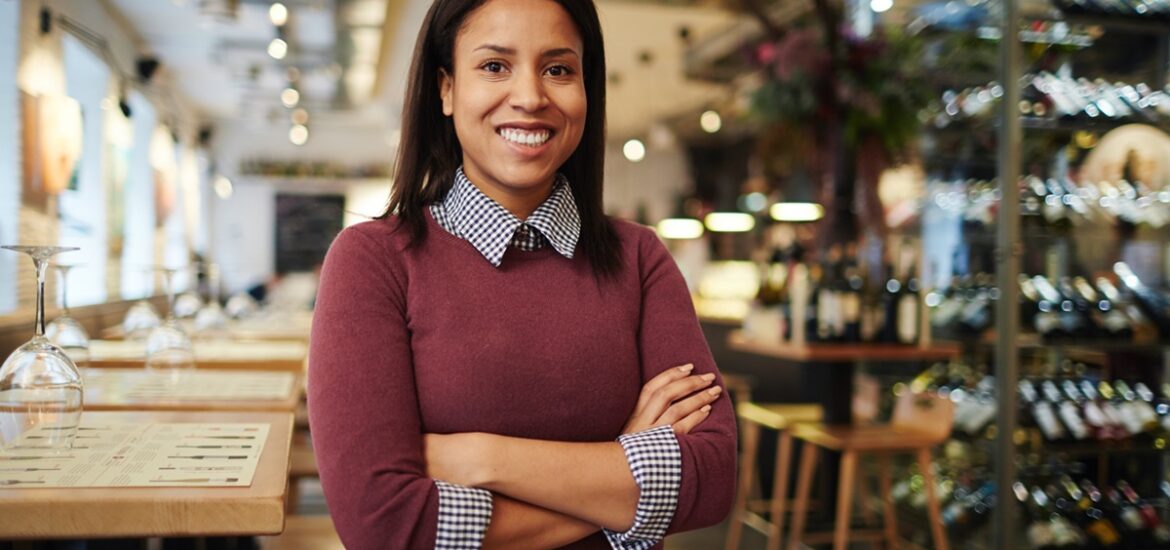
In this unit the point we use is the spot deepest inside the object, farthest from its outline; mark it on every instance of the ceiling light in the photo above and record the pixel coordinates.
(729, 222)
(711, 122)
(797, 211)
(278, 14)
(680, 228)
(298, 134)
(881, 6)
(290, 97)
(223, 187)
(300, 116)
(634, 150)
(753, 202)
(278, 48)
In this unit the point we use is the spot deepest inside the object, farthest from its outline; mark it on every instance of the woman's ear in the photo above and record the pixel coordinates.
(446, 87)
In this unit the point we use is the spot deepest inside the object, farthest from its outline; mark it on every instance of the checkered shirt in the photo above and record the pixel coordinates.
(653, 455)
(464, 515)
(656, 462)
(469, 214)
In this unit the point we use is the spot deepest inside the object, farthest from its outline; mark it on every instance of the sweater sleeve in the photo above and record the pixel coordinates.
(363, 411)
(669, 336)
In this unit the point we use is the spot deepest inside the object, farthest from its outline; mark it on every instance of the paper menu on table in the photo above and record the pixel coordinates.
(139, 455)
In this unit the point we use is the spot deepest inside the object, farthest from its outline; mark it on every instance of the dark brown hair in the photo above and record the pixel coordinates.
(429, 152)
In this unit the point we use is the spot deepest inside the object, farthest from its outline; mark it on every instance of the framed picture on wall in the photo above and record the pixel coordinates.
(51, 127)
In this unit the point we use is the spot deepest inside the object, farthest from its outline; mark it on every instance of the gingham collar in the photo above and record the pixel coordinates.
(490, 227)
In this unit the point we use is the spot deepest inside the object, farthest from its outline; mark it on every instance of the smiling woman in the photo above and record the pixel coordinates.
(495, 363)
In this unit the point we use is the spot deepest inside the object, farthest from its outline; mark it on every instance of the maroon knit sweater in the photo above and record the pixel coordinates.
(434, 339)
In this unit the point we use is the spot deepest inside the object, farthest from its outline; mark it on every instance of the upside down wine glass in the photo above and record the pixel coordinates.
(141, 318)
(66, 332)
(40, 387)
(168, 346)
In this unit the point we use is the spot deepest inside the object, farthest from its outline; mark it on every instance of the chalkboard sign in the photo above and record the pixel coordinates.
(305, 227)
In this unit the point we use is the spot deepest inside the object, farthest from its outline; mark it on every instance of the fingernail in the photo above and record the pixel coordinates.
(715, 391)
(706, 408)
(709, 376)
(687, 367)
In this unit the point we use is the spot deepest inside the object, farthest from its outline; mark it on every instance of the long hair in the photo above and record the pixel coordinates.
(429, 152)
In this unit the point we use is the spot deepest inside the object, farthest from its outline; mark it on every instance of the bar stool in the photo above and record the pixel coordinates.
(753, 418)
(920, 422)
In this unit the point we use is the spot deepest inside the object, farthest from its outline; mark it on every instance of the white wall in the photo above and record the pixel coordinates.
(244, 237)
(655, 182)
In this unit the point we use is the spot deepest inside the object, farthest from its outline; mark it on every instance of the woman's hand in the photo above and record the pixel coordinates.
(673, 397)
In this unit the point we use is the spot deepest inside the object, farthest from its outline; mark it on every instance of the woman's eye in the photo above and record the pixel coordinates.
(558, 70)
(493, 67)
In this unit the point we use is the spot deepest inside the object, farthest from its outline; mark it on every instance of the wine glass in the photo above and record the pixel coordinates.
(188, 304)
(211, 318)
(40, 387)
(168, 346)
(141, 318)
(66, 332)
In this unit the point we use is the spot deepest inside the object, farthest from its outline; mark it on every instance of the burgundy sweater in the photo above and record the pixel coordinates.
(434, 339)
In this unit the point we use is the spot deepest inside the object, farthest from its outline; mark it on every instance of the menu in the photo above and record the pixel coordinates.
(147, 386)
(138, 455)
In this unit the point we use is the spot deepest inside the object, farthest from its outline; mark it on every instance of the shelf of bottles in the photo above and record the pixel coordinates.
(1093, 345)
(1083, 444)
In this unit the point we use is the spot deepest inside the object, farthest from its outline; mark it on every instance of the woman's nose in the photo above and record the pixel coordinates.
(528, 92)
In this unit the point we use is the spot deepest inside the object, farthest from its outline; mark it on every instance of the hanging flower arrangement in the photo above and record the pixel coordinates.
(836, 107)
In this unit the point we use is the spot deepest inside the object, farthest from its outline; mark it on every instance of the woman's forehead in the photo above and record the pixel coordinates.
(522, 26)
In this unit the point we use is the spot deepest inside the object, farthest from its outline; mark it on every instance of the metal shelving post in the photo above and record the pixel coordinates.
(1008, 251)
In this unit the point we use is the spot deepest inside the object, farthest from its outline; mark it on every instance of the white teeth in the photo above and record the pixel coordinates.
(525, 137)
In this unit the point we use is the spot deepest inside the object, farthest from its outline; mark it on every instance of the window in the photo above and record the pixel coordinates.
(138, 239)
(82, 204)
(9, 150)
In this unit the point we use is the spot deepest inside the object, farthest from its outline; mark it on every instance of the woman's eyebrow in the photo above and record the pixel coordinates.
(503, 50)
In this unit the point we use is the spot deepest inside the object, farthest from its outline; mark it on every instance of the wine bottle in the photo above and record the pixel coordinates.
(828, 305)
(908, 302)
(1091, 519)
(1154, 304)
(1042, 412)
(1114, 323)
(1095, 419)
(1130, 418)
(1092, 325)
(1153, 521)
(1071, 325)
(1067, 410)
(1143, 408)
(890, 296)
(850, 297)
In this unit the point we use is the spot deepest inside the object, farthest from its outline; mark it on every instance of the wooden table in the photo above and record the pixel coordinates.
(162, 511)
(831, 367)
(104, 391)
(209, 354)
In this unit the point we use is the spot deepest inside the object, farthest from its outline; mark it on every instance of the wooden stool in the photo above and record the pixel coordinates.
(302, 464)
(920, 422)
(753, 417)
(304, 533)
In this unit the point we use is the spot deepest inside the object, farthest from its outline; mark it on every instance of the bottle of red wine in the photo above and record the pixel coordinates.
(1154, 304)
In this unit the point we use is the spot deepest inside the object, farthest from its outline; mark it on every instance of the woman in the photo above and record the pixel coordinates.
(478, 351)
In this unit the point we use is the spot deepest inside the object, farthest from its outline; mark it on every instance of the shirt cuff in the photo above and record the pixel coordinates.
(464, 515)
(656, 462)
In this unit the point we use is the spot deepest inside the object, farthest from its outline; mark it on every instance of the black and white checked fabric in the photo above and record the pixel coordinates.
(469, 214)
(464, 515)
(656, 462)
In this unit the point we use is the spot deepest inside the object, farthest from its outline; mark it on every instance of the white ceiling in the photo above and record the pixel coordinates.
(223, 68)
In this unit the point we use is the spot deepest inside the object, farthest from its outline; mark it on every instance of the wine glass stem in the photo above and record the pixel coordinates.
(65, 292)
(169, 284)
(40, 321)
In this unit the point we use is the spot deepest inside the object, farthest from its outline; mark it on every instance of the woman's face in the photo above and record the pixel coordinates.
(517, 96)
